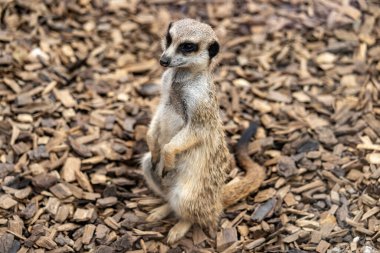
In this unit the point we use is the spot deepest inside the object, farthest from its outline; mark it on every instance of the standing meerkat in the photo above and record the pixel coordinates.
(189, 160)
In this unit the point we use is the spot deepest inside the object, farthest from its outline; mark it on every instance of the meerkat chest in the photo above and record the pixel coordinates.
(170, 124)
(184, 98)
(178, 104)
(174, 115)
(177, 101)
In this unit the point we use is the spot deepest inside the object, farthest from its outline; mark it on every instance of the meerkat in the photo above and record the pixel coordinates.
(188, 159)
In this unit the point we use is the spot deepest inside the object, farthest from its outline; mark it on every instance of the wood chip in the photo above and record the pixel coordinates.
(7, 202)
(62, 213)
(65, 97)
(101, 231)
(370, 212)
(83, 181)
(46, 242)
(373, 158)
(225, 238)
(322, 247)
(112, 223)
(88, 233)
(263, 210)
(61, 191)
(106, 202)
(309, 186)
(265, 195)
(83, 214)
(52, 205)
(254, 244)
(71, 166)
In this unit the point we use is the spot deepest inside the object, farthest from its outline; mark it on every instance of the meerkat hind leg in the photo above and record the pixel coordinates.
(178, 231)
(159, 213)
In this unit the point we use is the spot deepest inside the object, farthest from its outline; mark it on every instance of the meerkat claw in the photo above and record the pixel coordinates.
(159, 213)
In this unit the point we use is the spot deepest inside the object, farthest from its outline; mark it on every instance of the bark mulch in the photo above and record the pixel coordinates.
(79, 81)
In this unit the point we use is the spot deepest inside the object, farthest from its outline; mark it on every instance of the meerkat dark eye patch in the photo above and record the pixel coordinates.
(213, 49)
(168, 36)
(187, 47)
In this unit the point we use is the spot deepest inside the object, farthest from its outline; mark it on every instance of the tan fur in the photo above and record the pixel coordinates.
(241, 187)
(188, 160)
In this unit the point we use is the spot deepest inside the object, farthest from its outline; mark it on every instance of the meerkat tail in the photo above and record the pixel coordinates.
(255, 174)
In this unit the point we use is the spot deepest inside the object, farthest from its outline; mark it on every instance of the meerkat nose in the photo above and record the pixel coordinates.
(165, 61)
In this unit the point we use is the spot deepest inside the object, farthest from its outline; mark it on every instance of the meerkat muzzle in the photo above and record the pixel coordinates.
(165, 61)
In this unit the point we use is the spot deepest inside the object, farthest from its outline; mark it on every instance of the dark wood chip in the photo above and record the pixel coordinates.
(263, 210)
(8, 244)
(287, 166)
(44, 181)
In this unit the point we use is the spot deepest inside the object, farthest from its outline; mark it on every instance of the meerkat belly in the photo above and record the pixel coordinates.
(195, 195)
(187, 184)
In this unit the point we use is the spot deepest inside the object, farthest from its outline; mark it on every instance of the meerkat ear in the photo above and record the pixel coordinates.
(168, 36)
(213, 49)
(170, 25)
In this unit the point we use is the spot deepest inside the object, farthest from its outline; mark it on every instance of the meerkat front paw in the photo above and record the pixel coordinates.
(159, 213)
(178, 231)
(155, 158)
(152, 147)
(169, 158)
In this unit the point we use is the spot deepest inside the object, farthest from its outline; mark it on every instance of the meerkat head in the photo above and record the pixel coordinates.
(189, 44)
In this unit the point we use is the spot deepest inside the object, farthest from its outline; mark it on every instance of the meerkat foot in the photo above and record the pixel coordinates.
(178, 231)
(159, 213)
(212, 233)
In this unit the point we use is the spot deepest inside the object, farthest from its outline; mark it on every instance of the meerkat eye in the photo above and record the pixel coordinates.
(188, 47)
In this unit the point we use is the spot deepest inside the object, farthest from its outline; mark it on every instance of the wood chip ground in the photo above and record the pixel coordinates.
(79, 81)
